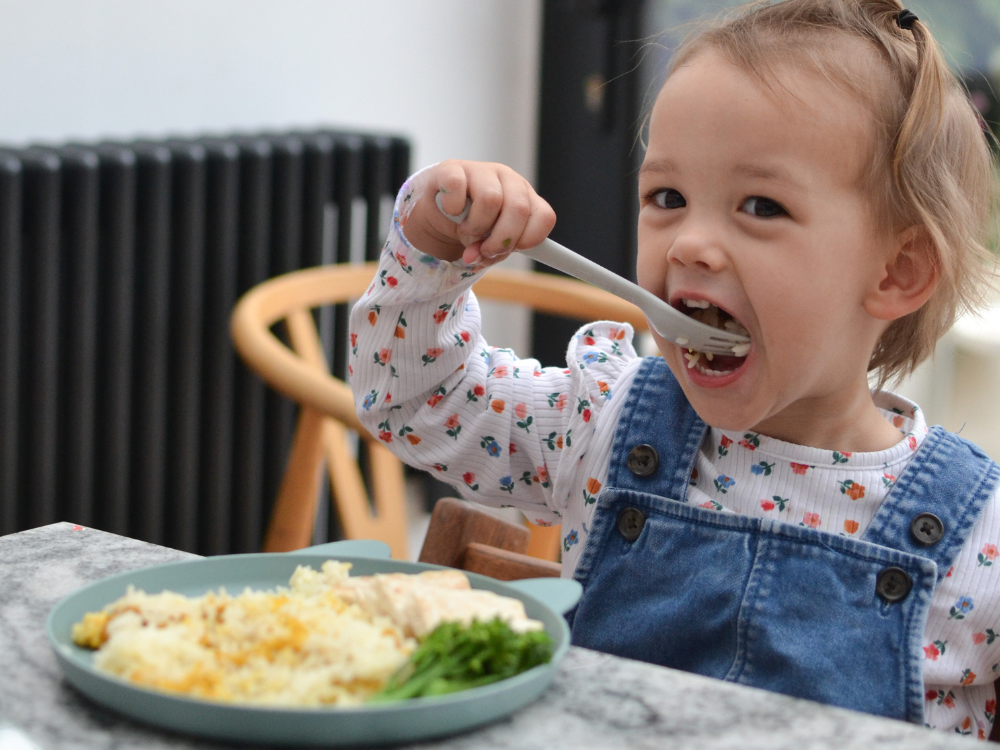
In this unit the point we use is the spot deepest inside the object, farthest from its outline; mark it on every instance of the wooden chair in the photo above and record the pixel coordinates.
(327, 412)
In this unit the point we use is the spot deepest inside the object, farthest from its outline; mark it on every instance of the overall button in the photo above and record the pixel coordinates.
(630, 523)
(643, 460)
(893, 584)
(927, 528)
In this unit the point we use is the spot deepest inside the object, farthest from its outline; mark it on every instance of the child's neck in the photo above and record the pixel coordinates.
(850, 425)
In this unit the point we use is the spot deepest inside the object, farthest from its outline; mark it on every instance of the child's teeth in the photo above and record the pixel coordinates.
(702, 303)
(710, 356)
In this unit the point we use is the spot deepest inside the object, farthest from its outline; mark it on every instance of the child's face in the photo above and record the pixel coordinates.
(750, 199)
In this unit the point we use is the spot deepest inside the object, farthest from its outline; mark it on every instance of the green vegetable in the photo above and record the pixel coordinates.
(457, 657)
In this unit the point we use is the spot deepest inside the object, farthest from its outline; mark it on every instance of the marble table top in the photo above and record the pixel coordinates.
(595, 701)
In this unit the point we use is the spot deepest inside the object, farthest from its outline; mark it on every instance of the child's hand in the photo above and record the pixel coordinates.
(506, 213)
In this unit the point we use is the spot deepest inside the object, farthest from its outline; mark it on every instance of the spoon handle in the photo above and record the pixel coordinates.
(561, 258)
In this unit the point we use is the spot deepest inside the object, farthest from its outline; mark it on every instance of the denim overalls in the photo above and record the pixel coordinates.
(760, 602)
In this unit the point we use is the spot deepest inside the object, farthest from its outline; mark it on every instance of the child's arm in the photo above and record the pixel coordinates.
(427, 384)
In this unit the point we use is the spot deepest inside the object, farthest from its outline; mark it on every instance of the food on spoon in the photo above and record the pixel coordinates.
(329, 639)
(705, 312)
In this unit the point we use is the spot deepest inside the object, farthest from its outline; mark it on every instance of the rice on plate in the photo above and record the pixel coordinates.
(327, 640)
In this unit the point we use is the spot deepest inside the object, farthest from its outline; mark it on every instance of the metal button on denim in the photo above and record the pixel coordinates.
(630, 523)
(927, 528)
(893, 584)
(643, 460)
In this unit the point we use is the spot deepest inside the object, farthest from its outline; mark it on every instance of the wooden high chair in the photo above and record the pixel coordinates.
(327, 413)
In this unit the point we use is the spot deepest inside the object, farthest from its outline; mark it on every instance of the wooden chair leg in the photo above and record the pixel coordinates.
(292, 519)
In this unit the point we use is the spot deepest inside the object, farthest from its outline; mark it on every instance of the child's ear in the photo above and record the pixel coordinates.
(908, 278)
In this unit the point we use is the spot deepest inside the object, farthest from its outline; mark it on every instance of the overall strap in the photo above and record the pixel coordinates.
(657, 414)
(949, 478)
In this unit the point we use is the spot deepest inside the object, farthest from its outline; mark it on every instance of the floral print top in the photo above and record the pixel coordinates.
(507, 432)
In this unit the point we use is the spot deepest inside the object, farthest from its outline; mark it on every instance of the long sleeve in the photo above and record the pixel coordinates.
(426, 383)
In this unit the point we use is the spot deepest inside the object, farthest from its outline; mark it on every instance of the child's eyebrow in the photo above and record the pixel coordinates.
(775, 173)
(661, 166)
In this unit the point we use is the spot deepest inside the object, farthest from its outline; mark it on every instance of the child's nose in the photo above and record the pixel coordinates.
(698, 248)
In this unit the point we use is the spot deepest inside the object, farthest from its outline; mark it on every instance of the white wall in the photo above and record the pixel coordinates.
(459, 78)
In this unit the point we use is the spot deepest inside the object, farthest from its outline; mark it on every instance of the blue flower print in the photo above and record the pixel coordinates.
(570, 539)
(369, 400)
(962, 607)
(492, 447)
(507, 484)
(593, 358)
(723, 483)
(763, 467)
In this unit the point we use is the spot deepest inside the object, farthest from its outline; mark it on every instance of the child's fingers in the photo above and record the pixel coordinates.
(513, 217)
(486, 193)
(540, 223)
(452, 183)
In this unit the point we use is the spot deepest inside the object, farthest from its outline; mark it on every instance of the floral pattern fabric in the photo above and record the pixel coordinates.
(507, 432)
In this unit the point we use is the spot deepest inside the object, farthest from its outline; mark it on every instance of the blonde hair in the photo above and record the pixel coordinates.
(929, 157)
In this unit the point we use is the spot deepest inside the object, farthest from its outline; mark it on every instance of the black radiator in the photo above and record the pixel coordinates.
(122, 404)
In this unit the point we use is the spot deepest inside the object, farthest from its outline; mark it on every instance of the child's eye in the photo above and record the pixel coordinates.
(668, 198)
(763, 207)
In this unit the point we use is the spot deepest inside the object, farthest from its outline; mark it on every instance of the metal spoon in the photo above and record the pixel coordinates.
(664, 319)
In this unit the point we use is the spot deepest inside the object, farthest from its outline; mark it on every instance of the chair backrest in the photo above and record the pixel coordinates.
(327, 406)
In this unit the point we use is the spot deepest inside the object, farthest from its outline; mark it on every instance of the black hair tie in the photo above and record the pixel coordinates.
(905, 19)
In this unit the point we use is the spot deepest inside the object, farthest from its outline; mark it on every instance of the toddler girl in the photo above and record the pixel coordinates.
(815, 175)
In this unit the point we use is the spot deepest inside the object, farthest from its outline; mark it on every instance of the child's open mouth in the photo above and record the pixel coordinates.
(714, 364)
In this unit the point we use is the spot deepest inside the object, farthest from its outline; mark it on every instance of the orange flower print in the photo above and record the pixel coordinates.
(799, 468)
(966, 726)
(400, 332)
(436, 397)
(897, 421)
(414, 440)
(543, 476)
(616, 334)
(978, 638)
(603, 388)
(372, 317)
(561, 401)
(593, 486)
(968, 677)
(497, 405)
(432, 354)
(811, 520)
(987, 555)
(440, 315)
(850, 526)
(852, 489)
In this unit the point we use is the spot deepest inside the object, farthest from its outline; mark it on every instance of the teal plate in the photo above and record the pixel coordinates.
(545, 599)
